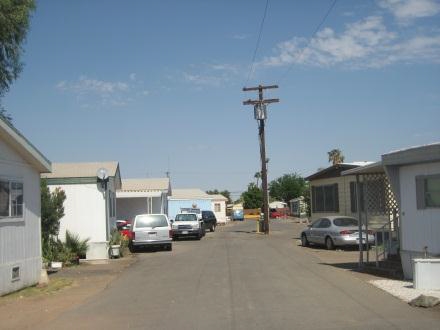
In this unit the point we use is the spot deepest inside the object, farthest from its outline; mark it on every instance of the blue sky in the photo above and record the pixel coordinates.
(157, 84)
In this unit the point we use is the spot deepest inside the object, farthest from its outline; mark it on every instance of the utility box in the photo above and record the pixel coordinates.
(426, 274)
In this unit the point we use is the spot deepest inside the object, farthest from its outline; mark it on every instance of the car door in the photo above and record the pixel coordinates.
(322, 231)
(311, 236)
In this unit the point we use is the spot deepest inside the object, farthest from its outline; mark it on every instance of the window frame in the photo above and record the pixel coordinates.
(11, 216)
(322, 191)
(217, 207)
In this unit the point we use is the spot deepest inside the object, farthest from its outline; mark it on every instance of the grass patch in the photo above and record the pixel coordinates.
(55, 284)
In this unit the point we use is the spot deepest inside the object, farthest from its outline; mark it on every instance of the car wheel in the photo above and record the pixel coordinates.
(169, 247)
(212, 228)
(329, 243)
(199, 237)
(131, 248)
(304, 240)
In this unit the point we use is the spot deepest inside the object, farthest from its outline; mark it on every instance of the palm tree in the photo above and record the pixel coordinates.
(257, 176)
(335, 156)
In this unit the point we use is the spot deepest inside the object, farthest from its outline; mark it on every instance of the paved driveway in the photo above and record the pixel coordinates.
(235, 279)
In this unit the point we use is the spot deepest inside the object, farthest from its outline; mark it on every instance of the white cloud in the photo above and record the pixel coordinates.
(95, 93)
(366, 43)
(214, 75)
(405, 10)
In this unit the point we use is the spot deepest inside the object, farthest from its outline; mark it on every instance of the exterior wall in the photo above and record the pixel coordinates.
(85, 215)
(174, 205)
(221, 216)
(343, 194)
(419, 228)
(20, 238)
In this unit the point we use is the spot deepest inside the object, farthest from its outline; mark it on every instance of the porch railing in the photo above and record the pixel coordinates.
(389, 237)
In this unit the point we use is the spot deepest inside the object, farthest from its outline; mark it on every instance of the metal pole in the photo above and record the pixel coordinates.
(358, 202)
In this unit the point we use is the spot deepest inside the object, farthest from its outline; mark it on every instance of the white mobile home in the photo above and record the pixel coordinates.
(90, 206)
(141, 196)
(218, 205)
(414, 175)
(20, 209)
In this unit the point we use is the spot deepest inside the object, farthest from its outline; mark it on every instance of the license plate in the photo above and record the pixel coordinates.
(152, 234)
(184, 232)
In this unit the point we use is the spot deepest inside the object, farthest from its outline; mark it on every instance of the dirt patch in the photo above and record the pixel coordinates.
(67, 289)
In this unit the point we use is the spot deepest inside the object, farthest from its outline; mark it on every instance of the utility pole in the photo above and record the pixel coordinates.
(260, 115)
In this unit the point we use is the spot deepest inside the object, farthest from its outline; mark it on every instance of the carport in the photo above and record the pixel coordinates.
(142, 196)
(377, 211)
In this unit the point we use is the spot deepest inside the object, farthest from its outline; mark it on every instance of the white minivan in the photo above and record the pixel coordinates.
(151, 230)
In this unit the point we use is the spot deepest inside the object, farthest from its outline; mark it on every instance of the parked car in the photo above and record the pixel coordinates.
(237, 215)
(151, 230)
(124, 227)
(209, 220)
(335, 231)
(274, 214)
(187, 224)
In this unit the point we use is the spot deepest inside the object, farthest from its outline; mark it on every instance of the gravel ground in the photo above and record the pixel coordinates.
(403, 289)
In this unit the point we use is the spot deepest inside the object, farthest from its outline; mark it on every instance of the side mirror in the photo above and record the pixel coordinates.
(171, 220)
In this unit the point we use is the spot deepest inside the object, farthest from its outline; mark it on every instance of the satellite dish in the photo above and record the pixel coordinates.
(102, 174)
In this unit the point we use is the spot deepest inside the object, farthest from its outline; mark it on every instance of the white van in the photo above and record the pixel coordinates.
(151, 230)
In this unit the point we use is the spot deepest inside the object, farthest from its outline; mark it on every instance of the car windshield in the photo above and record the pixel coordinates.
(345, 222)
(151, 220)
(186, 217)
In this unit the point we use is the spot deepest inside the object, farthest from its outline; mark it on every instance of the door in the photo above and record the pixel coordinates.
(312, 231)
(322, 231)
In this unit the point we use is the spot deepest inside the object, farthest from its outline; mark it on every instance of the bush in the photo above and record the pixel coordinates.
(75, 245)
(68, 252)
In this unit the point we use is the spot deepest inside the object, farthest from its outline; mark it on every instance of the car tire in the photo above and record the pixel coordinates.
(329, 243)
(131, 248)
(304, 240)
(212, 228)
(199, 237)
(169, 247)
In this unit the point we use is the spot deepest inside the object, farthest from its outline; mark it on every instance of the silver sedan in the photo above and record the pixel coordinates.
(335, 231)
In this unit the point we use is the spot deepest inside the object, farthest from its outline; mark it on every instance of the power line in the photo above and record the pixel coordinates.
(324, 18)
(258, 43)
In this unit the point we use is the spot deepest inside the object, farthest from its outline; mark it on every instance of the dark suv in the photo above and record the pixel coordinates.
(209, 219)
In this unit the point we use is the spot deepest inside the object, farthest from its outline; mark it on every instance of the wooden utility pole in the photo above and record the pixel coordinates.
(261, 115)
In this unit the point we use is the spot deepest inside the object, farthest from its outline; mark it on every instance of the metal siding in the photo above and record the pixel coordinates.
(419, 228)
(20, 241)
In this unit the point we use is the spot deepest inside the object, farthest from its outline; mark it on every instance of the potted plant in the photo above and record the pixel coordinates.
(115, 244)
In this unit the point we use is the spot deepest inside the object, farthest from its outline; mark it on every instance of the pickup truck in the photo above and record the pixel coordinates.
(187, 224)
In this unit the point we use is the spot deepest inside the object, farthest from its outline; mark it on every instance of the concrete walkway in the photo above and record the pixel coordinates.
(235, 279)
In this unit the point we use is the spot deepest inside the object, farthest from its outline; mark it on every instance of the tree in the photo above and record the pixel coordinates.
(52, 210)
(253, 197)
(258, 177)
(287, 187)
(14, 24)
(335, 156)
(225, 193)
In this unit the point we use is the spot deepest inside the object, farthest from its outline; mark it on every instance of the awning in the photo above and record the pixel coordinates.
(137, 194)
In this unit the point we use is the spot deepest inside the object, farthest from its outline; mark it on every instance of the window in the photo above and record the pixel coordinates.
(151, 221)
(428, 191)
(217, 207)
(353, 196)
(325, 223)
(325, 198)
(11, 198)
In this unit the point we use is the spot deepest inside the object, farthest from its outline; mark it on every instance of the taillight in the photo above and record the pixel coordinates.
(346, 232)
(170, 233)
(133, 236)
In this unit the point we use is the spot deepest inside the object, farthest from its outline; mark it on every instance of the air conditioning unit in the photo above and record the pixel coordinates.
(426, 274)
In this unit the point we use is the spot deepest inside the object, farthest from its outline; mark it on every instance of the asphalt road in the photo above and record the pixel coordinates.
(236, 279)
